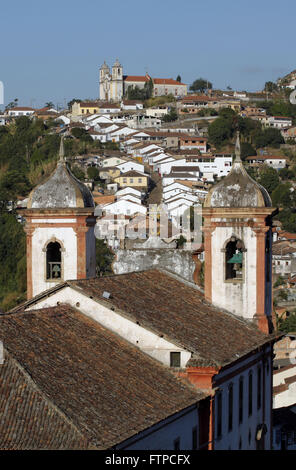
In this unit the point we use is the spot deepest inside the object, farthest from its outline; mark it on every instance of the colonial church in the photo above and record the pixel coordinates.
(89, 363)
(114, 85)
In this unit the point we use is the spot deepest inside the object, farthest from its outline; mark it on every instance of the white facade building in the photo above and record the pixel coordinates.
(125, 207)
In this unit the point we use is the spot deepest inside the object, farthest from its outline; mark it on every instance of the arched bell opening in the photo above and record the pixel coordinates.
(234, 259)
(53, 261)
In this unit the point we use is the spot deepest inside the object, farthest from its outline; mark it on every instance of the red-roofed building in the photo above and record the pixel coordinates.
(114, 85)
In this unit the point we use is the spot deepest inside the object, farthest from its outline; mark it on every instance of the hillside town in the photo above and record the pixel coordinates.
(151, 299)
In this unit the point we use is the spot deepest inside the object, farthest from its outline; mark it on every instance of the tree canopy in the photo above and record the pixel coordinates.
(201, 85)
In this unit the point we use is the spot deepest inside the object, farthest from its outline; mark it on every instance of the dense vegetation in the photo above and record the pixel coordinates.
(287, 325)
(222, 131)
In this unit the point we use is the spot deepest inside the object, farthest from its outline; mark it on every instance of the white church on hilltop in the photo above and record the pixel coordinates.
(114, 85)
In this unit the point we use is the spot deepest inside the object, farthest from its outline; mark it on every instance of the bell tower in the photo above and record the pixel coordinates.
(60, 231)
(105, 78)
(117, 82)
(238, 246)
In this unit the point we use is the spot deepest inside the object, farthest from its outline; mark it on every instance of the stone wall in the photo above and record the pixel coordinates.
(180, 262)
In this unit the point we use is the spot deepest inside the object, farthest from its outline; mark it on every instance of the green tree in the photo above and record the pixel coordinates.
(78, 172)
(220, 131)
(12, 104)
(287, 217)
(81, 134)
(286, 174)
(281, 196)
(171, 116)
(93, 173)
(268, 178)
(13, 257)
(279, 282)
(268, 137)
(148, 89)
(288, 325)
(201, 85)
(178, 79)
(270, 87)
(104, 258)
(74, 100)
(247, 150)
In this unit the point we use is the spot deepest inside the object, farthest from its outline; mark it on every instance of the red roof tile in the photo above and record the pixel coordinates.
(83, 385)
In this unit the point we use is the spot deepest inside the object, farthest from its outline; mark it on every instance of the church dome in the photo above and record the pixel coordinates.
(238, 189)
(117, 63)
(60, 190)
(104, 66)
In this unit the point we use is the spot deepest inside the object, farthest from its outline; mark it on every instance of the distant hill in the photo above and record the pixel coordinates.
(287, 79)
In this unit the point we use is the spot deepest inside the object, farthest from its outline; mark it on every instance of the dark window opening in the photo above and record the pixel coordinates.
(250, 394)
(241, 400)
(259, 396)
(230, 407)
(177, 444)
(234, 259)
(219, 415)
(194, 438)
(175, 359)
(53, 261)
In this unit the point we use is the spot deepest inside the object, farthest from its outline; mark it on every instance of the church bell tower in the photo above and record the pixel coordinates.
(60, 231)
(238, 246)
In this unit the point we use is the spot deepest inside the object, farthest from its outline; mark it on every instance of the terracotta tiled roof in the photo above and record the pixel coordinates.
(104, 389)
(99, 199)
(198, 98)
(279, 389)
(171, 308)
(21, 108)
(288, 235)
(136, 78)
(167, 81)
(180, 169)
(283, 369)
(89, 104)
(29, 421)
(186, 152)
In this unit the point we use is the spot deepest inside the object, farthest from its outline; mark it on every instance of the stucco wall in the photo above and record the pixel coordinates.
(237, 297)
(245, 431)
(179, 262)
(163, 435)
(41, 236)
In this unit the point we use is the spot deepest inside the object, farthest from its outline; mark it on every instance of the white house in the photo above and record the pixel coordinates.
(275, 161)
(157, 111)
(20, 111)
(128, 190)
(131, 105)
(129, 197)
(112, 161)
(125, 207)
(284, 385)
(169, 198)
(130, 165)
(172, 177)
(279, 121)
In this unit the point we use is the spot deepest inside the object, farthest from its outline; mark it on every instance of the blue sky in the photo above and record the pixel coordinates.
(52, 50)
